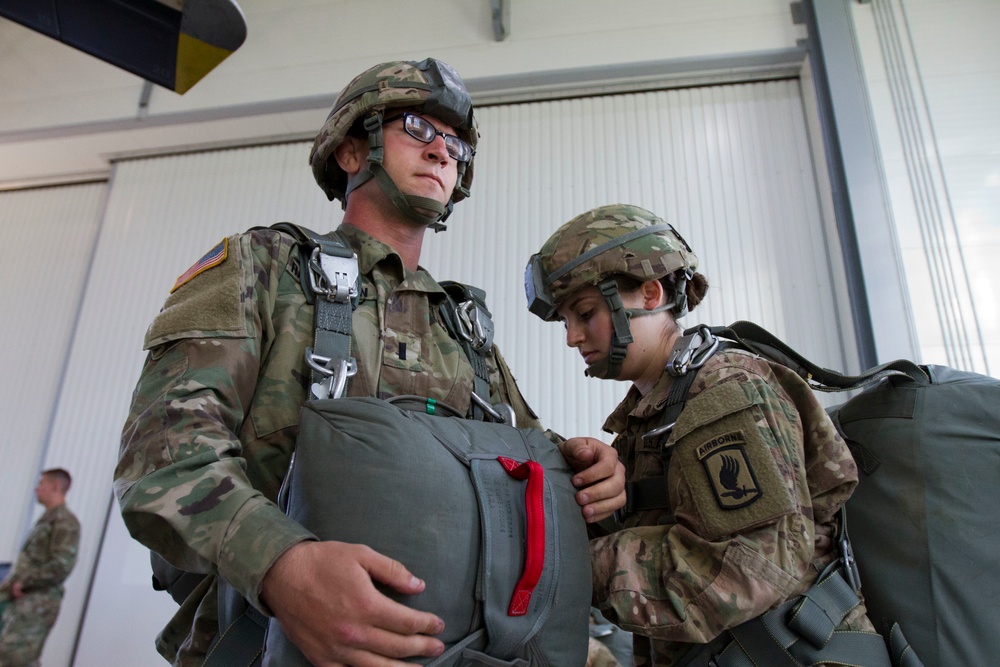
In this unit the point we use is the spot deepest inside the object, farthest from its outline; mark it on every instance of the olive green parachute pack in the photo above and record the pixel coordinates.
(482, 511)
(923, 522)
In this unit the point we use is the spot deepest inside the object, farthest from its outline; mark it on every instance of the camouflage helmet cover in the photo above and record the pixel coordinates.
(630, 250)
(430, 85)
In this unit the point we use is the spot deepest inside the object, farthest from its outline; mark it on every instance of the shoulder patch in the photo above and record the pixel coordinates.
(727, 458)
(730, 473)
(213, 257)
(216, 304)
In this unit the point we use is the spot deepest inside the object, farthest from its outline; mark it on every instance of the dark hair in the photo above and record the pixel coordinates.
(61, 476)
(695, 288)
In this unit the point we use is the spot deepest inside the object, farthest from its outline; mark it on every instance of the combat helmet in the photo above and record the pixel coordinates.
(429, 86)
(595, 247)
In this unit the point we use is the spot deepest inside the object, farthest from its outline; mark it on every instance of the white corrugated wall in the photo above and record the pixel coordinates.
(48, 241)
(730, 166)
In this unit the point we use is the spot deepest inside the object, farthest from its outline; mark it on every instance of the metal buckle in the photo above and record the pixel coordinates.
(476, 328)
(335, 378)
(850, 564)
(692, 351)
(507, 417)
(332, 276)
(659, 430)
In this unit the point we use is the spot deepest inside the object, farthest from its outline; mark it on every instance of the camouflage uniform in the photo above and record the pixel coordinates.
(47, 558)
(756, 476)
(215, 414)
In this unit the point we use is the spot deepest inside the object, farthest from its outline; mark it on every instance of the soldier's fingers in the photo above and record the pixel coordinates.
(594, 512)
(389, 649)
(604, 466)
(390, 572)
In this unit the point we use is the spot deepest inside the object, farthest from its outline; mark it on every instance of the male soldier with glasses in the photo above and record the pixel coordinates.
(214, 416)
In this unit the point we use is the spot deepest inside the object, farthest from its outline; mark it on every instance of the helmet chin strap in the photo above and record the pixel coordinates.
(414, 207)
(610, 367)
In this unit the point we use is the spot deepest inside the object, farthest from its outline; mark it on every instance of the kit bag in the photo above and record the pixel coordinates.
(923, 519)
(483, 512)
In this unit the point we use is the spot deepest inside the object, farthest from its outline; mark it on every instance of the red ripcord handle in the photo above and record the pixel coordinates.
(534, 505)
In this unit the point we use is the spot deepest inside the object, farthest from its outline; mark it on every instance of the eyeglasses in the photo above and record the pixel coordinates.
(422, 130)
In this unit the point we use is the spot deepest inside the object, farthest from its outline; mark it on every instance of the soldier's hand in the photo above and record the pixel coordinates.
(600, 476)
(323, 595)
(17, 590)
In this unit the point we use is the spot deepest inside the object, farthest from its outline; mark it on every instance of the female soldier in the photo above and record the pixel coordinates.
(736, 474)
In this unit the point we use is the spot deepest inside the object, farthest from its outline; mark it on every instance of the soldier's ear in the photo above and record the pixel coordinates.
(351, 154)
(653, 294)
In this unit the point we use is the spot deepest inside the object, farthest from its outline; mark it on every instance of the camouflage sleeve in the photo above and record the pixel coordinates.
(56, 558)
(181, 480)
(742, 538)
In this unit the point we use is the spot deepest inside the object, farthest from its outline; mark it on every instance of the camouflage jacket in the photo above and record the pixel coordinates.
(48, 555)
(215, 413)
(755, 478)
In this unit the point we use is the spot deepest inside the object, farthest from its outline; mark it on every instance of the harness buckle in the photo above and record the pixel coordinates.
(507, 417)
(850, 568)
(692, 351)
(658, 431)
(334, 276)
(477, 327)
(335, 379)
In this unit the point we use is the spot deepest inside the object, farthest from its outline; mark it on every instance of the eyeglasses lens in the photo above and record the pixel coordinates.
(422, 130)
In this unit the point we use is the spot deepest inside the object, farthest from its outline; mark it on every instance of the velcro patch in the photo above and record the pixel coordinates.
(730, 474)
(213, 257)
(727, 458)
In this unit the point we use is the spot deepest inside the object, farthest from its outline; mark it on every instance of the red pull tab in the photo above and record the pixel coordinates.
(534, 556)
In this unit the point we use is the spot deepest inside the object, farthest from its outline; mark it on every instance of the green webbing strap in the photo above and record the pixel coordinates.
(449, 315)
(332, 319)
(760, 341)
(900, 651)
(801, 632)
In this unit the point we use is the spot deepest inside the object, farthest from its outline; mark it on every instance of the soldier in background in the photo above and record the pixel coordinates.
(33, 590)
(734, 498)
(215, 413)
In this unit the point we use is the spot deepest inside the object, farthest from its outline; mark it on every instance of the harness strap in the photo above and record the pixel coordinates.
(652, 492)
(475, 336)
(755, 338)
(800, 632)
(241, 641)
(329, 277)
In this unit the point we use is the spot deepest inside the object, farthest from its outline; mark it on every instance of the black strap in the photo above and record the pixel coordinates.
(241, 638)
(646, 494)
(177, 582)
(760, 341)
(652, 492)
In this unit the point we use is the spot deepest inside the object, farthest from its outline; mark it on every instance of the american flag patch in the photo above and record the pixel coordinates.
(213, 257)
